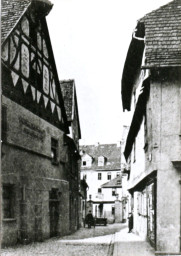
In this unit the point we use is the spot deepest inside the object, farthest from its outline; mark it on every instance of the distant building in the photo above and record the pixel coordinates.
(101, 167)
(36, 182)
(151, 84)
(111, 206)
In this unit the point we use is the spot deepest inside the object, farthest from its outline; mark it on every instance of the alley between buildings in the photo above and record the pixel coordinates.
(55, 186)
(112, 240)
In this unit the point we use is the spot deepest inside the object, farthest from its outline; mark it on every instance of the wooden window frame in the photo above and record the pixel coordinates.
(109, 176)
(99, 177)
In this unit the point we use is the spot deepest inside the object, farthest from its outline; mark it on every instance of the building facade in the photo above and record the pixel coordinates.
(35, 154)
(101, 167)
(151, 84)
(125, 172)
(68, 90)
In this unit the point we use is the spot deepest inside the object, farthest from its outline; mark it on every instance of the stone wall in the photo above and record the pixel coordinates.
(27, 164)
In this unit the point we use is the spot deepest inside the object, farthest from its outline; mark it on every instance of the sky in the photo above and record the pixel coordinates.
(90, 40)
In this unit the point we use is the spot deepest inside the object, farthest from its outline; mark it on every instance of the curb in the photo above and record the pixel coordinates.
(115, 246)
(111, 246)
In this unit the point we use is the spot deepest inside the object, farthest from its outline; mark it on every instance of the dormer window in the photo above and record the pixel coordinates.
(86, 160)
(101, 161)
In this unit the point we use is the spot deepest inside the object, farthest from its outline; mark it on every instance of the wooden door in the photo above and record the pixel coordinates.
(54, 217)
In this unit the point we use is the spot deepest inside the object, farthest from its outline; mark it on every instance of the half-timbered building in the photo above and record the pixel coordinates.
(35, 183)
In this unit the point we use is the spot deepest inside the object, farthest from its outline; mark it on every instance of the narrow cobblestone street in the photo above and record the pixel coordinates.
(90, 242)
(112, 240)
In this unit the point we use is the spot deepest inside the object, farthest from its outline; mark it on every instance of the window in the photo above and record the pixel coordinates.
(99, 176)
(87, 160)
(118, 174)
(142, 203)
(84, 163)
(99, 190)
(118, 182)
(90, 197)
(113, 210)
(109, 176)
(4, 123)
(8, 201)
(113, 192)
(100, 161)
(54, 150)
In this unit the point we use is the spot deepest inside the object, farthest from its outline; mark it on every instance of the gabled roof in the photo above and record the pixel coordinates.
(163, 35)
(161, 30)
(113, 183)
(112, 152)
(102, 156)
(13, 10)
(70, 100)
(85, 154)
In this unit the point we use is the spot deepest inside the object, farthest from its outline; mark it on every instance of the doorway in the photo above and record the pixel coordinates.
(54, 212)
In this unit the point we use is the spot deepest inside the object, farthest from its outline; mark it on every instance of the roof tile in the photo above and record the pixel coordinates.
(110, 151)
(11, 11)
(163, 35)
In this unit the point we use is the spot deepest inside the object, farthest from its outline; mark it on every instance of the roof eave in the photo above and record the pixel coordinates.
(160, 66)
(131, 66)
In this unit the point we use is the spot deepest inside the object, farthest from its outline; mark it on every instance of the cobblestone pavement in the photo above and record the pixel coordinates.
(84, 242)
(97, 231)
(88, 242)
(129, 244)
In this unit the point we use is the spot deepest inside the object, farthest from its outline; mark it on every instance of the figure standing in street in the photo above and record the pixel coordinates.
(89, 220)
(124, 214)
(130, 222)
